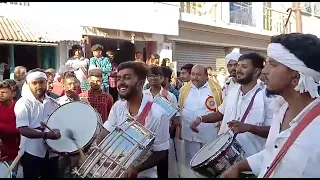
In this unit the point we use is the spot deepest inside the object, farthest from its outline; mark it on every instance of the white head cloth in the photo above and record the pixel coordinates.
(308, 77)
(232, 56)
(26, 91)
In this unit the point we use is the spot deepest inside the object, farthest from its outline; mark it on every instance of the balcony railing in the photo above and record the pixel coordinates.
(275, 21)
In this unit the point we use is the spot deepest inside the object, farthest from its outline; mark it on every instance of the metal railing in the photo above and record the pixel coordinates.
(275, 21)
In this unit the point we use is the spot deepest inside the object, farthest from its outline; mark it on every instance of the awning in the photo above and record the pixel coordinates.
(22, 31)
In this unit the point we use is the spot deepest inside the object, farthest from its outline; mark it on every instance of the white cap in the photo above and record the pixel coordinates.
(232, 56)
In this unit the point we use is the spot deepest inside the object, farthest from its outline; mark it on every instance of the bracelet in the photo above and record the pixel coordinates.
(200, 117)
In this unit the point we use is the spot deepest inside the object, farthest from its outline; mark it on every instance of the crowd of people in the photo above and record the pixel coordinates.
(270, 104)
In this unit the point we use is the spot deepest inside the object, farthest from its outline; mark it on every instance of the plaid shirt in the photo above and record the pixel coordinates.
(102, 103)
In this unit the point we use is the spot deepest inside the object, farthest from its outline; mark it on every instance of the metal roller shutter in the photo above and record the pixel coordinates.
(197, 54)
(244, 51)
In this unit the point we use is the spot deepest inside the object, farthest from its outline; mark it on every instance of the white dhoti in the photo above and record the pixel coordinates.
(176, 159)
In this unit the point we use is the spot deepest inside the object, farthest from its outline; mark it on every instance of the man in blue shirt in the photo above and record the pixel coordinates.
(99, 61)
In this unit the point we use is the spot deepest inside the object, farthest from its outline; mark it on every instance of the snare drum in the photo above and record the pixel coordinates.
(4, 168)
(166, 105)
(216, 157)
(81, 119)
(126, 146)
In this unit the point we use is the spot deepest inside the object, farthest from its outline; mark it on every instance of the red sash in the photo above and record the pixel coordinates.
(142, 117)
(307, 119)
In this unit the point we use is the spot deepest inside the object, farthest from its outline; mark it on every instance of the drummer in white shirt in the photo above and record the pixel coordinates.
(254, 131)
(293, 72)
(32, 108)
(231, 82)
(130, 79)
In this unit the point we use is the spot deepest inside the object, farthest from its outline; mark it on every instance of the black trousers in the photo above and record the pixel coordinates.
(35, 167)
(162, 167)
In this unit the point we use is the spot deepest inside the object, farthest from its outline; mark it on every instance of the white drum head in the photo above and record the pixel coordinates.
(80, 118)
(209, 150)
(4, 167)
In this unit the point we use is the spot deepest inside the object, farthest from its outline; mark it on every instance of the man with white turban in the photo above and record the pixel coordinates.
(231, 61)
(292, 149)
(32, 108)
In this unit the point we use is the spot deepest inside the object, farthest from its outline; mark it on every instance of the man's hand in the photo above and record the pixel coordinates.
(195, 124)
(132, 173)
(73, 96)
(232, 172)
(238, 127)
(54, 134)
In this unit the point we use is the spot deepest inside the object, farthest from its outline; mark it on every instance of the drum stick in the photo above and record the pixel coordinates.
(44, 124)
(71, 137)
(15, 162)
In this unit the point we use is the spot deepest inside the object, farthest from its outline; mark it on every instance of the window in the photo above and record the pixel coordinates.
(241, 13)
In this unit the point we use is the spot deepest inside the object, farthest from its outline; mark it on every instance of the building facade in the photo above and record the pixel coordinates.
(210, 30)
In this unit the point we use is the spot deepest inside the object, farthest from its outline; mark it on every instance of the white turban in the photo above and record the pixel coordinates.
(308, 76)
(26, 91)
(232, 56)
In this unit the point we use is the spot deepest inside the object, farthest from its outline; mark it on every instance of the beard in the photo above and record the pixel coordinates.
(246, 80)
(132, 91)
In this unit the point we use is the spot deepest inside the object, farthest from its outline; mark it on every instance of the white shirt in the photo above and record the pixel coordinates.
(303, 157)
(78, 63)
(29, 113)
(171, 97)
(228, 85)
(234, 107)
(157, 121)
(194, 106)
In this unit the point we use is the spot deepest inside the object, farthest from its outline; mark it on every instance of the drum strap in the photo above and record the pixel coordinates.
(307, 119)
(142, 117)
(247, 110)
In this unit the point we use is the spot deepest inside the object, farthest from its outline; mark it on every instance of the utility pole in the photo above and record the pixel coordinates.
(296, 9)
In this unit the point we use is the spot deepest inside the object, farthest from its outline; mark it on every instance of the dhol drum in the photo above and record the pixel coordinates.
(166, 105)
(4, 168)
(79, 117)
(216, 157)
(126, 146)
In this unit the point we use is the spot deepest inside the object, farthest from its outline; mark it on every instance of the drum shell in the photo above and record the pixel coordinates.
(4, 167)
(110, 143)
(228, 155)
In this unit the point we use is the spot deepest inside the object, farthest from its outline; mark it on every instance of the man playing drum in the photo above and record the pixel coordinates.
(231, 82)
(32, 108)
(255, 124)
(198, 97)
(130, 80)
(293, 72)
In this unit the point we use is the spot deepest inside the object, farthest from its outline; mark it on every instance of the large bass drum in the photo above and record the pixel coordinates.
(79, 117)
(126, 146)
(216, 157)
(4, 169)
